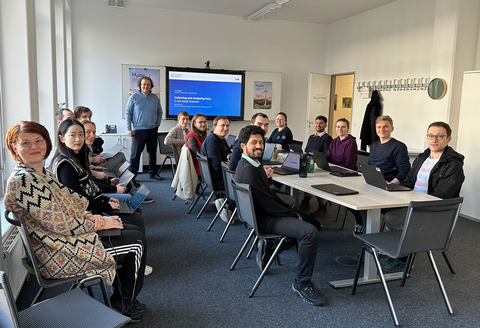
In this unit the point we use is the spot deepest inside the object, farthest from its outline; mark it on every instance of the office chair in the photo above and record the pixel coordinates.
(167, 150)
(428, 226)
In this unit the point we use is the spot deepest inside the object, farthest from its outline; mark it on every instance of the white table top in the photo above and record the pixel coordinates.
(369, 197)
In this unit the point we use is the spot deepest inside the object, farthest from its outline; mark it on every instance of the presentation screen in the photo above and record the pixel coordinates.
(211, 92)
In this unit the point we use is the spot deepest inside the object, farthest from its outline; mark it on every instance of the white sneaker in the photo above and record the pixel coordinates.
(225, 214)
(148, 270)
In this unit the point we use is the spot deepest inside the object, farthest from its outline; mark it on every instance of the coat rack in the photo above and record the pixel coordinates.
(413, 84)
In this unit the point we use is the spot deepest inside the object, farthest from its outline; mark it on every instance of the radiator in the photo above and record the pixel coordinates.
(12, 261)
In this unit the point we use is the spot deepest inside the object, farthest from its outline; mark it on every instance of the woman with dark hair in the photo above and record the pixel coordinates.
(195, 137)
(70, 166)
(282, 134)
(63, 232)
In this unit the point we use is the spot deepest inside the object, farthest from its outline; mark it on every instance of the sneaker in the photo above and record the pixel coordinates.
(127, 308)
(392, 265)
(147, 201)
(148, 270)
(225, 213)
(309, 292)
(135, 183)
(321, 211)
(156, 176)
(139, 306)
(358, 229)
(264, 252)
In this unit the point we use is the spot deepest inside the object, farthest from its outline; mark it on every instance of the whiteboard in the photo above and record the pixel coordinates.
(250, 79)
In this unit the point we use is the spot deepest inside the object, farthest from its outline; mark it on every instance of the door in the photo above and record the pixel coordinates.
(342, 96)
(318, 100)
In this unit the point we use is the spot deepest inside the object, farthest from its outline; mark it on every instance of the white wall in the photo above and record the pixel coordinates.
(405, 39)
(151, 36)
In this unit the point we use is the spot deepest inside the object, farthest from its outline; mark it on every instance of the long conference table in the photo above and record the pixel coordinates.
(369, 198)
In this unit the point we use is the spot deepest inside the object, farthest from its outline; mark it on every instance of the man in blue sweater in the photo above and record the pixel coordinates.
(144, 115)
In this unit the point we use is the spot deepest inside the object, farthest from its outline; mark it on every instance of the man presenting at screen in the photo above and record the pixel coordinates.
(144, 115)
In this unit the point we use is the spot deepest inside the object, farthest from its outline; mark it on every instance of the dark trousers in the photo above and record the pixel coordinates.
(129, 251)
(139, 140)
(307, 235)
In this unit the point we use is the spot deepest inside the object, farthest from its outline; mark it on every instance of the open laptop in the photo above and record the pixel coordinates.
(322, 163)
(268, 155)
(126, 177)
(113, 151)
(373, 176)
(120, 170)
(230, 140)
(335, 189)
(134, 202)
(295, 148)
(291, 165)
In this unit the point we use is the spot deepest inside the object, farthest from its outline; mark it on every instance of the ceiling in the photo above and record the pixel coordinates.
(306, 11)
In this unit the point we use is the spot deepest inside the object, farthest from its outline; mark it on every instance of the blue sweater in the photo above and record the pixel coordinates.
(283, 137)
(144, 113)
(391, 157)
(317, 143)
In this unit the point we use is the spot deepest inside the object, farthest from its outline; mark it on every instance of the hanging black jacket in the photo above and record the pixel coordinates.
(368, 134)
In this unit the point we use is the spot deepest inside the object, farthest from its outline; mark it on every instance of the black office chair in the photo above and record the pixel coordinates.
(246, 212)
(428, 226)
(44, 283)
(167, 151)
(230, 197)
(73, 309)
(206, 182)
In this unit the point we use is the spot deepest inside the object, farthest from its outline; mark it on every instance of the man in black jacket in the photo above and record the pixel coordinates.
(274, 216)
(438, 171)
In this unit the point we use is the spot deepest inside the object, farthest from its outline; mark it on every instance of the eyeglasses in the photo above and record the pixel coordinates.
(437, 137)
(28, 144)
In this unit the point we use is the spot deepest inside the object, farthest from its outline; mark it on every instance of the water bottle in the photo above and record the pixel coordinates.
(311, 164)
(303, 166)
(275, 154)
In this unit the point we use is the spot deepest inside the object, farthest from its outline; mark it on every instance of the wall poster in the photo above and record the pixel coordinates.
(262, 95)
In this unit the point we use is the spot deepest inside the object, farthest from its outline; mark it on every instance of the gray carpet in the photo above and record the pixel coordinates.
(191, 285)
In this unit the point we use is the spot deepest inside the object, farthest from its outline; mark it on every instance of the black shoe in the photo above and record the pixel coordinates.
(264, 252)
(135, 183)
(127, 308)
(309, 293)
(155, 176)
(147, 200)
(139, 306)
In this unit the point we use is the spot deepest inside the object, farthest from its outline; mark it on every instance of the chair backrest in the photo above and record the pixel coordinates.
(297, 143)
(8, 308)
(362, 157)
(175, 152)
(164, 149)
(244, 200)
(205, 169)
(429, 226)
(228, 176)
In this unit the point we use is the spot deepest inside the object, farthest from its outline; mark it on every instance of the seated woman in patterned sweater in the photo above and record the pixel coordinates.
(63, 232)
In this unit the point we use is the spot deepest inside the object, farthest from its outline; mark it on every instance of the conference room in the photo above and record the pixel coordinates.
(79, 62)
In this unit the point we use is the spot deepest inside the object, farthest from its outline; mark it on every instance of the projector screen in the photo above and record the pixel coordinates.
(211, 92)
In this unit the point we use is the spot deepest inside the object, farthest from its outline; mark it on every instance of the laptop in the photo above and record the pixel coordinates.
(126, 177)
(230, 140)
(322, 163)
(268, 155)
(291, 165)
(134, 202)
(373, 176)
(295, 148)
(335, 189)
(120, 170)
(113, 151)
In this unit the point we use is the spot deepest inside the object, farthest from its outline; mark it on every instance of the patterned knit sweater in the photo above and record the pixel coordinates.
(64, 242)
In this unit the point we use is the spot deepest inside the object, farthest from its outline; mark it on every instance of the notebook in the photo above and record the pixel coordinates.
(291, 165)
(322, 163)
(126, 177)
(335, 189)
(295, 148)
(230, 140)
(268, 154)
(109, 232)
(134, 202)
(373, 176)
(113, 151)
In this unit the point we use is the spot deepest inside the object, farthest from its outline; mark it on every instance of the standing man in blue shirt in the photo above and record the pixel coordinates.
(144, 115)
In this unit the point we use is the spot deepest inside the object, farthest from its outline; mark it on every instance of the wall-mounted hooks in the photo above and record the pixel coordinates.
(408, 84)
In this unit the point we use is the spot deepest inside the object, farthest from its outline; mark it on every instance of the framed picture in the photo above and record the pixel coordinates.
(347, 102)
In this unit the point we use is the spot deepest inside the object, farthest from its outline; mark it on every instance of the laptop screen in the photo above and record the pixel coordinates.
(230, 140)
(139, 196)
(292, 161)
(268, 151)
(123, 168)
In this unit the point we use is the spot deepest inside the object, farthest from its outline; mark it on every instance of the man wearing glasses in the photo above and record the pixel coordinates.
(438, 171)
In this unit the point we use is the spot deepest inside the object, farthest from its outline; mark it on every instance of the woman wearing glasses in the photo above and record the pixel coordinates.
(62, 231)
